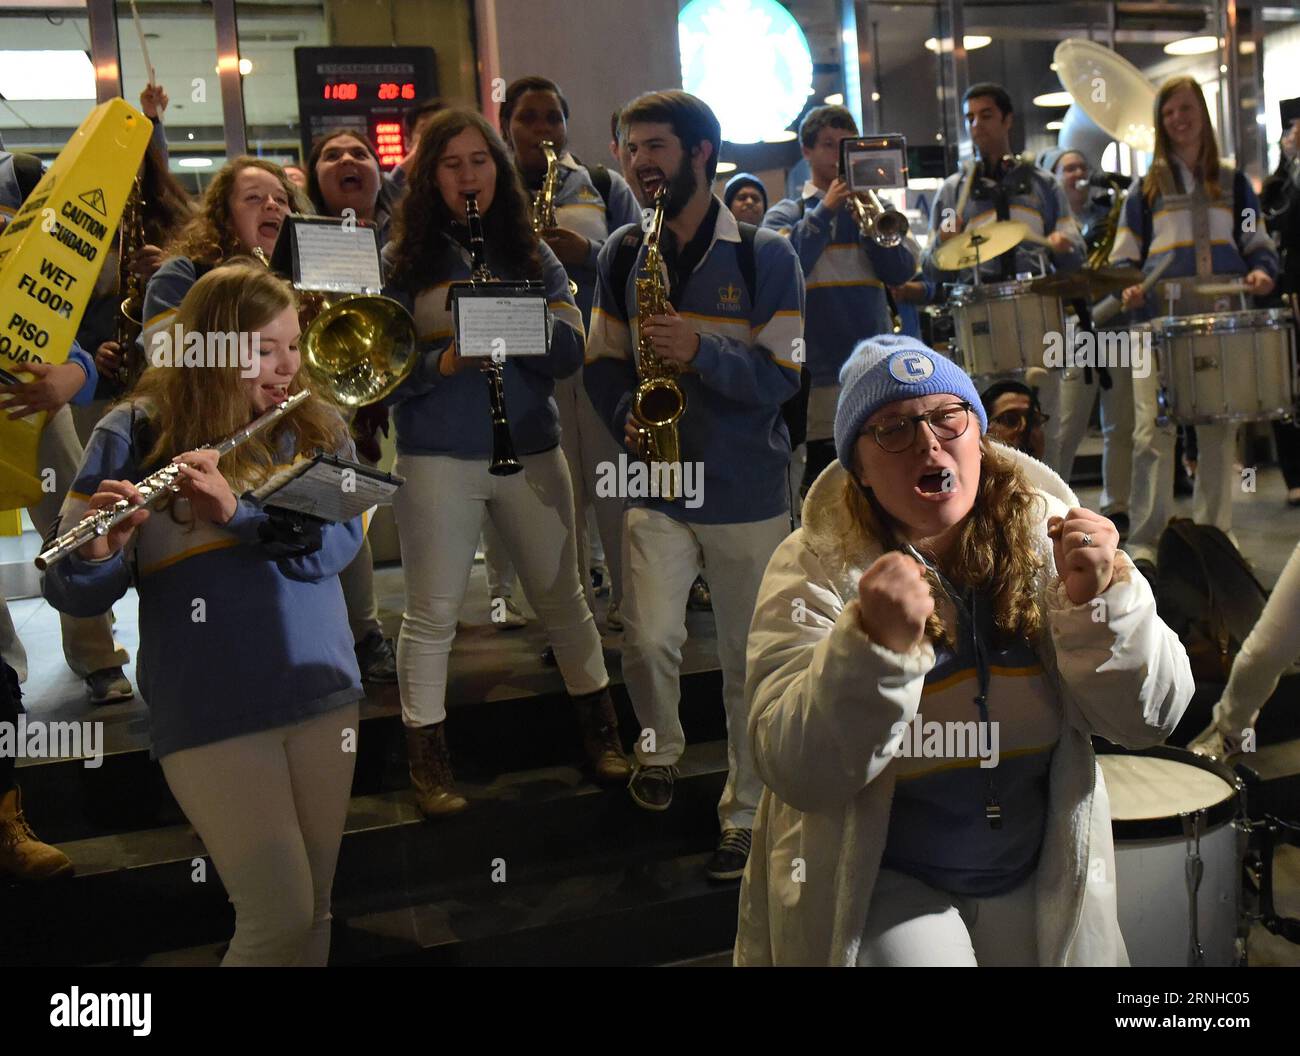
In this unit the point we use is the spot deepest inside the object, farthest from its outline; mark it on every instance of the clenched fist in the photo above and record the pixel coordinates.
(1084, 545)
(895, 600)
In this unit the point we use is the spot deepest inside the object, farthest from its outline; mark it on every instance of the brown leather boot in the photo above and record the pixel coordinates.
(599, 727)
(430, 766)
(22, 855)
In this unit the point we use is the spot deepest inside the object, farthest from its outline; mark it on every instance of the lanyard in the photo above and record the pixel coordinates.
(969, 618)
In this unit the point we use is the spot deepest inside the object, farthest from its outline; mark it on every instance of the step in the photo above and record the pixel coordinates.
(517, 730)
(134, 893)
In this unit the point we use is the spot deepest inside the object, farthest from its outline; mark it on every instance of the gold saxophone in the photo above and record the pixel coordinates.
(544, 203)
(130, 313)
(659, 402)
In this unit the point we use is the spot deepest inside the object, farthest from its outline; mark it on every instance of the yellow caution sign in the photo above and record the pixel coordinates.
(51, 253)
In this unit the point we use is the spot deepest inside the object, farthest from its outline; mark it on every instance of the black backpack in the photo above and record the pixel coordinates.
(1207, 594)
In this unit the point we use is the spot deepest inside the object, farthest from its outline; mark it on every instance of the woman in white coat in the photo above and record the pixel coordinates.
(929, 655)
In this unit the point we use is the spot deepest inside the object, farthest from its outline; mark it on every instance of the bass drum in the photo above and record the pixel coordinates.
(1180, 839)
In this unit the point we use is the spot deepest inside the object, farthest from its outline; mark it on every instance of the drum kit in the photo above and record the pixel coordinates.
(1214, 364)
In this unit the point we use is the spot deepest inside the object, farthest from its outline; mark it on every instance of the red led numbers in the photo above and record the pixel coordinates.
(343, 91)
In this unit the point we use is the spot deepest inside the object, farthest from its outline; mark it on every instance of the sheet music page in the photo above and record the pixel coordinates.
(510, 326)
(336, 259)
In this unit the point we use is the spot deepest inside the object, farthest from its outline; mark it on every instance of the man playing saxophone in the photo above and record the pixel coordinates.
(733, 326)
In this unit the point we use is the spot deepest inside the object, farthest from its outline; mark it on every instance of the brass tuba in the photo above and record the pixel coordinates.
(659, 401)
(359, 347)
(884, 226)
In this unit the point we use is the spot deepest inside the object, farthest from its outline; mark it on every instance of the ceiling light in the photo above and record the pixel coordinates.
(1054, 126)
(245, 67)
(875, 97)
(195, 163)
(972, 41)
(784, 136)
(725, 167)
(1053, 99)
(835, 99)
(42, 75)
(1192, 46)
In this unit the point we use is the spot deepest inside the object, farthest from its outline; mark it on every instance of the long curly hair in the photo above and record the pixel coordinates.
(1160, 177)
(424, 227)
(190, 407)
(168, 207)
(209, 237)
(997, 550)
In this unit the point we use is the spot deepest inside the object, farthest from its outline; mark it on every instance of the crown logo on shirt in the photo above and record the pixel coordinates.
(729, 296)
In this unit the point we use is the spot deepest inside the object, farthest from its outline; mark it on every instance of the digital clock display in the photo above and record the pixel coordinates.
(366, 89)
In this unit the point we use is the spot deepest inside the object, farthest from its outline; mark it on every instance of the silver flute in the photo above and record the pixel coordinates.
(154, 488)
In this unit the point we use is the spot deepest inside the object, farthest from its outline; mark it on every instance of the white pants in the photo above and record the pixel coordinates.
(913, 925)
(439, 512)
(88, 643)
(664, 557)
(1049, 402)
(1270, 648)
(270, 808)
(1151, 502)
(1076, 400)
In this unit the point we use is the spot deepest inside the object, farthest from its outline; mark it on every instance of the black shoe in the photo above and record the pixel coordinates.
(1148, 569)
(109, 685)
(651, 787)
(548, 657)
(1183, 484)
(700, 600)
(728, 861)
(376, 658)
(1120, 521)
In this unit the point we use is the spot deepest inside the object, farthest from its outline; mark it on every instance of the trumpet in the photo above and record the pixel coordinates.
(659, 401)
(504, 463)
(155, 488)
(885, 226)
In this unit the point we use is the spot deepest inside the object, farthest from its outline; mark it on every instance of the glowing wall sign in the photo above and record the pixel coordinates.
(749, 60)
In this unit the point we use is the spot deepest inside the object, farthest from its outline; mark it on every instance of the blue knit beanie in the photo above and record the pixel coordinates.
(888, 368)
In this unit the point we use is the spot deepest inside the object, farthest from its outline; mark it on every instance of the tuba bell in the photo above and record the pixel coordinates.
(359, 347)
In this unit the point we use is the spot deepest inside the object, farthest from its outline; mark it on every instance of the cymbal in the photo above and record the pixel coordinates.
(1087, 282)
(980, 244)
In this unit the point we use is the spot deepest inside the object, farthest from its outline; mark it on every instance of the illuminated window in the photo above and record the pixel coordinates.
(749, 60)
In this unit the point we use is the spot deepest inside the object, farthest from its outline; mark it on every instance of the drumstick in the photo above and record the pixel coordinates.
(139, 29)
(1106, 309)
(1215, 289)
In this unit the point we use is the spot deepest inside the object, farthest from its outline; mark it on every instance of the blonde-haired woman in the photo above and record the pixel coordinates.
(242, 211)
(257, 752)
(883, 837)
(1197, 216)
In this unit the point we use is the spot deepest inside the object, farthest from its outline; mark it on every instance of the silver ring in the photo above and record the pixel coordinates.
(1087, 539)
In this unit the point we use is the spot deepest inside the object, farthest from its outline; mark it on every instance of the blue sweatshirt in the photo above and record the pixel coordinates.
(438, 415)
(1233, 251)
(938, 831)
(231, 640)
(166, 289)
(746, 367)
(845, 276)
(580, 208)
(1043, 209)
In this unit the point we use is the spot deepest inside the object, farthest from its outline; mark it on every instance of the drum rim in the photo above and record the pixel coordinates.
(1221, 322)
(1171, 825)
(958, 297)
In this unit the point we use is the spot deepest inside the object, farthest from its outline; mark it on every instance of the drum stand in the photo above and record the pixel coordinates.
(1264, 836)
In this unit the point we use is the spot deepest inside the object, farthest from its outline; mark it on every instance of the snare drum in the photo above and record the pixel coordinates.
(1226, 367)
(1177, 819)
(1001, 327)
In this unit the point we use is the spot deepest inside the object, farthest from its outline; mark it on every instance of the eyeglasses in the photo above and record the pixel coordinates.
(897, 434)
(1019, 419)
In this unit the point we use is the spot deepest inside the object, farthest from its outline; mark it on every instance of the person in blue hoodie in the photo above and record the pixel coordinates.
(844, 272)
(590, 202)
(260, 757)
(734, 326)
(444, 444)
(1192, 210)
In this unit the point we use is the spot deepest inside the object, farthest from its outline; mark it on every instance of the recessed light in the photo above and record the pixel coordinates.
(195, 163)
(1192, 46)
(725, 167)
(1053, 99)
(784, 136)
(972, 42)
(834, 99)
(1054, 126)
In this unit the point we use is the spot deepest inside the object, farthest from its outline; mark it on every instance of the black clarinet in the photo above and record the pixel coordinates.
(504, 462)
